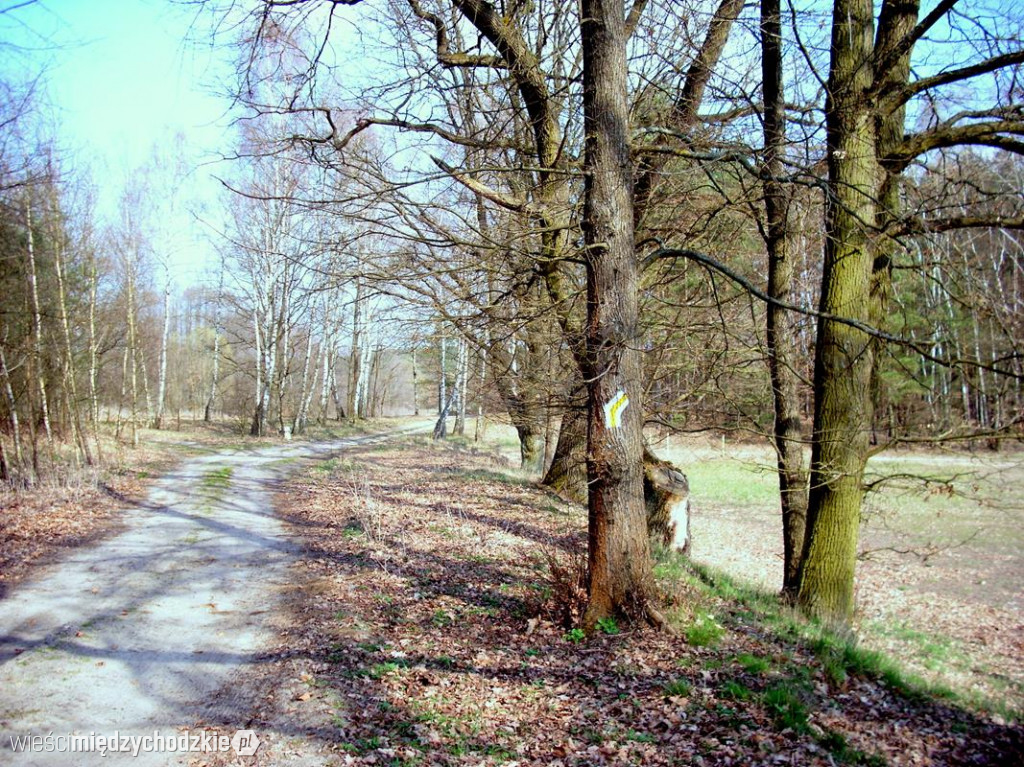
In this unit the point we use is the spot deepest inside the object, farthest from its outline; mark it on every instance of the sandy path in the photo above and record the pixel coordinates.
(143, 632)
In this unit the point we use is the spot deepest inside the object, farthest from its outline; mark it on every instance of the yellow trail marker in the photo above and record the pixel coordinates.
(613, 410)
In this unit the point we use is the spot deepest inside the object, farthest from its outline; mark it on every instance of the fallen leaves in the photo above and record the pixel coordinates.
(417, 645)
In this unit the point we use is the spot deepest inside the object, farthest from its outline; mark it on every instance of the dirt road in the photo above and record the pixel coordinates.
(142, 634)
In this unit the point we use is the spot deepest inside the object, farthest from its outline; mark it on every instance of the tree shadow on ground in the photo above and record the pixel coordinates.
(420, 646)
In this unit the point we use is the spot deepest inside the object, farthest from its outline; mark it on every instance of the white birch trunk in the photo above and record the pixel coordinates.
(161, 391)
(460, 386)
(37, 328)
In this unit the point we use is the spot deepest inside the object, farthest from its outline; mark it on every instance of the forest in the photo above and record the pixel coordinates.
(606, 227)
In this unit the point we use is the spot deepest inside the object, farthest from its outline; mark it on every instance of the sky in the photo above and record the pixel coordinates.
(121, 77)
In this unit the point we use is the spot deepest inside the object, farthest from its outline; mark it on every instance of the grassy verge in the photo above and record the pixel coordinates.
(841, 656)
(429, 630)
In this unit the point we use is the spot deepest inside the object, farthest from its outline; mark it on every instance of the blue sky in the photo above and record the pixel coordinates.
(121, 76)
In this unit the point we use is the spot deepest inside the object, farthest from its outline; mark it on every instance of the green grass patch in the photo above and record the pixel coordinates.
(217, 479)
(379, 670)
(736, 690)
(678, 688)
(784, 702)
(753, 664)
(840, 656)
(704, 631)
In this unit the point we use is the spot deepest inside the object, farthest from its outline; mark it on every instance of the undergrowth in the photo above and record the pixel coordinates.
(839, 653)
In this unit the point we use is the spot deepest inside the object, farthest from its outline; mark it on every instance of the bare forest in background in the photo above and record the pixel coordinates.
(792, 223)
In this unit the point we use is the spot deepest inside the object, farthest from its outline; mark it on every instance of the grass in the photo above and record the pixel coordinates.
(784, 702)
(940, 499)
(841, 656)
(751, 680)
(945, 531)
(217, 479)
(704, 631)
(335, 466)
(680, 688)
(753, 664)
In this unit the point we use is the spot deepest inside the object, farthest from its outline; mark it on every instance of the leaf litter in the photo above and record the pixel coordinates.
(422, 629)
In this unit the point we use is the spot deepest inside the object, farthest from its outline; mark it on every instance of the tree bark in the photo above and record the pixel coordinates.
(215, 372)
(787, 435)
(620, 574)
(37, 328)
(356, 360)
(567, 474)
(71, 385)
(161, 389)
(12, 405)
(415, 382)
(844, 355)
(461, 374)
(667, 495)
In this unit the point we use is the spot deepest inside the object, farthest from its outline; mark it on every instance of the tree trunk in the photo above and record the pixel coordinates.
(844, 355)
(620, 575)
(259, 416)
(667, 495)
(94, 400)
(71, 386)
(215, 375)
(37, 329)
(567, 474)
(328, 383)
(461, 374)
(441, 425)
(442, 382)
(13, 406)
(132, 357)
(787, 436)
(356, 360)
(415, 381)
(305, 388)
(161, 389)
(481, 426)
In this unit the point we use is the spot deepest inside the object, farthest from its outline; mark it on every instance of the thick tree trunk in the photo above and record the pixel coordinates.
(844, 355)
(787, 435)
(620, 575)
(567, 474)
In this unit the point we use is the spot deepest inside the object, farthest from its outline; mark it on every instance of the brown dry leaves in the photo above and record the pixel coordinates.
(413, 639)
(37, 524)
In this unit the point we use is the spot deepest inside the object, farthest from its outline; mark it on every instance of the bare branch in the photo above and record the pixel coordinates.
(509, 203)
(444, 53)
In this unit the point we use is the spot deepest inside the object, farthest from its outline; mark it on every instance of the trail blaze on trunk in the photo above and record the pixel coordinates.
(619, 552)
